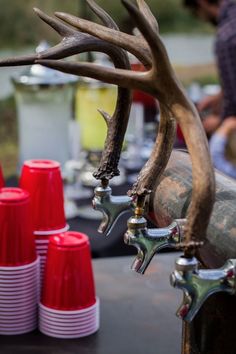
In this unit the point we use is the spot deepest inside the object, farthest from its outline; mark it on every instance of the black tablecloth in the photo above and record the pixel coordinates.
(137, 314)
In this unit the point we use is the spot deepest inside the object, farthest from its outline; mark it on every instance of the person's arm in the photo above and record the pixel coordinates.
(226, 60)
(217, 147)
(211, 103)
(210, 108)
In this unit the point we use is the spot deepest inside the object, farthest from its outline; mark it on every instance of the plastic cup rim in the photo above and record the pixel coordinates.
(75, 336)
(41, 242)
(19, 268)
(14, 295)
(24, 326)
(19, 290)
(85, 332)
(68, 312)
(72, 329)
(19, 279)
(27, 323)
(68, 329)
(29, 308)
(14, 289)
(25, 299)
(24, 285)
(21, 302)
(19, 275)
(51, 232)
(17, 333)
(72, 318)
(17, 316)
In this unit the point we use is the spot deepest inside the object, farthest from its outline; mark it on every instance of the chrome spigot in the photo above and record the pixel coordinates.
(110, 206)
(199, 284)
(149, 241)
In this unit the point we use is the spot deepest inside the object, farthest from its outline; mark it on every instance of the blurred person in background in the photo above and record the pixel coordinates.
(222, 147)
(222, 15)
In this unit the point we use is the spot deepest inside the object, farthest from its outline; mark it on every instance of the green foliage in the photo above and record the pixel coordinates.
(173, 17)
(207, 80)
(8, 136)
(19, 26)
(8, 126)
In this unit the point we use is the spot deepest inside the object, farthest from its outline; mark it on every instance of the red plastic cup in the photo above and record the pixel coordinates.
(2, 183)
(17, 243)
(140, 96)
(68, 278)
(42, 179)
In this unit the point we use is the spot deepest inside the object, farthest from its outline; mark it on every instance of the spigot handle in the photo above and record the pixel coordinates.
(198, 285)
(149, 241)
(111, 207)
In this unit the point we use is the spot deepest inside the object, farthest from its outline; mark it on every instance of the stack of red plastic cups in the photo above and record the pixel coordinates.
(2, 183)
(42, 179)
(19, 266)
(69, 307)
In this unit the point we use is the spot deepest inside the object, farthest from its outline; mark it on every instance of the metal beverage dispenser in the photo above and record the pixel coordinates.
(44, 105)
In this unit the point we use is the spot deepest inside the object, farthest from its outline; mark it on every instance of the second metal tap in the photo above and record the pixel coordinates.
(149, 241)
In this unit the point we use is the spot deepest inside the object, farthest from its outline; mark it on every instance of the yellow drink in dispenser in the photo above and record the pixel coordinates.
(92, 95)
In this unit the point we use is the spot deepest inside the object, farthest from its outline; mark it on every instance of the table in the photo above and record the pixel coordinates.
(137, 314)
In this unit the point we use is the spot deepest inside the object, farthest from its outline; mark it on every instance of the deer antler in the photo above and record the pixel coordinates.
(74, 42)
(134, 44)
(161, 82)
(167, 127)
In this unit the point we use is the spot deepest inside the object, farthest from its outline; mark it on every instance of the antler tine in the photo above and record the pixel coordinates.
(157, 162)
(18, 61)
(56, 52)
(158, 51)
(117, 124)
(103, 15)
(144, 8)
(120, 77)
(135, 45)
(72, 43)
(58, 26)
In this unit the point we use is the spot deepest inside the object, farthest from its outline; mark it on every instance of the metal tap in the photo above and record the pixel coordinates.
(149, 241)
(199, 284)
(110, 206)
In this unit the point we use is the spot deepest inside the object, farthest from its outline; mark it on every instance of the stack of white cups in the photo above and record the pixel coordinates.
(69, 324)
(42, 241)
(19, 296)
(19, 265)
